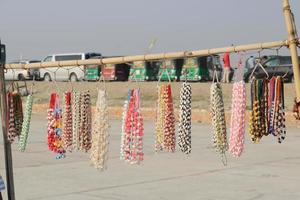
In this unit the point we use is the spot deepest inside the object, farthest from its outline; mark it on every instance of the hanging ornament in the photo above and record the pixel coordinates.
(55, 127)
(218, 120)
(26, 124)
(237, 128)
(134, 130)
(123, 133)
(100, 135)
(185, 113)
(67, 119)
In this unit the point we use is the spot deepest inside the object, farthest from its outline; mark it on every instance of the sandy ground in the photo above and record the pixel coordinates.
(265, 171)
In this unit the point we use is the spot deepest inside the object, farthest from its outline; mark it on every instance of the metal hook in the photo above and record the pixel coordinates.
(258, 64)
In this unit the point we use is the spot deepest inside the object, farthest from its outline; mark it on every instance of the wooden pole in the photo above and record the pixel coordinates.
(149, 57)
(292, 42)
(7, 146)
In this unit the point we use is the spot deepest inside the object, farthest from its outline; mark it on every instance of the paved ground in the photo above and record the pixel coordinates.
(265, 171)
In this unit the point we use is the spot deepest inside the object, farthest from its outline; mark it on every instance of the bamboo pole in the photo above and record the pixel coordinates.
(149, 57)
(292, 42)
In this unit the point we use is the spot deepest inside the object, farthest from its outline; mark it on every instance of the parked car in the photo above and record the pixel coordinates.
(21, 74)
(70, 73)
(275, 66)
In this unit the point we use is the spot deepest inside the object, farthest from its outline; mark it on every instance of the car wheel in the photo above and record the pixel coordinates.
(47, 77)
(21, 77)
(73, 78)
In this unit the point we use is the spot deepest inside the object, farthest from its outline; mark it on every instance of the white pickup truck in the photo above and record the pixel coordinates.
(70, 73)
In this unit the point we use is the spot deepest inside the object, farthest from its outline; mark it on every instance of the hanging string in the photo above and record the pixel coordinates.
(55, 127)
(185, 114)
(218, 120)
(237, 124)
(100, 135)
(67, 119)
(26, 123)
(134, 130)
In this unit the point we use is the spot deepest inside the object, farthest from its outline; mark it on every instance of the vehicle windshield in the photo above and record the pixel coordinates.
(67, 57)
(273, 62)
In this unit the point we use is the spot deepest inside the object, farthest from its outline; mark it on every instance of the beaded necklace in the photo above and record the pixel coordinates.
(218, 120)
(55, 127)
(159, 125)
(75, 119)
(85, 135)
(237, 128)
(277, 111)
(18, 112)
(165, 120)
(67, 119)
(26, 123)
(185, 116)
(134, 130)
(123, 133)
(11, 134)
(100, 135)
(169, 119)
(15, 115)
(258, 125)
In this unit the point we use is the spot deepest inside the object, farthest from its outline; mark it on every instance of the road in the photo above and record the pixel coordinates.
(265, 171)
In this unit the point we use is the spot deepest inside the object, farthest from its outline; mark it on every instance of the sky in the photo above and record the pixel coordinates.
(33, 29)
